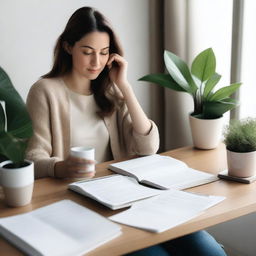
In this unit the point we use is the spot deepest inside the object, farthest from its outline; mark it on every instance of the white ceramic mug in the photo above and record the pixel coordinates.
(86, 153)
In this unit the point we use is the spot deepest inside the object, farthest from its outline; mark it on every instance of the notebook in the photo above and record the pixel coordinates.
(162, 172)
(114, 191)
(60, 229)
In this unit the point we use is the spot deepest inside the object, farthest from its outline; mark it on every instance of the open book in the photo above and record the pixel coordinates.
(114, 191)
(59, 229)
(165, 211)
(162, 172)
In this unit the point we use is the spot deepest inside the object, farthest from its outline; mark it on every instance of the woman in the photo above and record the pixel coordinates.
(86, 100)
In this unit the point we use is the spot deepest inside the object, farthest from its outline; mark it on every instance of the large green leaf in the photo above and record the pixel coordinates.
(215, 109)
(200, 83)
(13, 148)
(210, 84)
(16, 112)
(164, 80)
(203, 66)
(2, 118)
(19, 126)
(179, 71)
(224, 92)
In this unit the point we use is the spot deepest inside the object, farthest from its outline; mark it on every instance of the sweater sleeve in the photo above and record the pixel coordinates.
(134, 142)
(40, 148)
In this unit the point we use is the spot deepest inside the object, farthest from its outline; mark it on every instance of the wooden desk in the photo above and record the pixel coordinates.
(240, 200)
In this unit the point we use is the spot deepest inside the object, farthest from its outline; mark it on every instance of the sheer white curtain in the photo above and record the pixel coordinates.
(248, 89)
(178, 105)
(190, 26)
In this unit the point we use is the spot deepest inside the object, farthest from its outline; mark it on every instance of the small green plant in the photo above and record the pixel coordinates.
(199, 82)
(15, 123)
(240, 135)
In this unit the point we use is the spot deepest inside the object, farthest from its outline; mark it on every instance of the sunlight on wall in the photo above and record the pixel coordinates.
(248, 89)
(210, 25)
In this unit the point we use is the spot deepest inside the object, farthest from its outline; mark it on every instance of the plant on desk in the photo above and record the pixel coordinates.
(199, 82)
(16, 173)
(240, 141)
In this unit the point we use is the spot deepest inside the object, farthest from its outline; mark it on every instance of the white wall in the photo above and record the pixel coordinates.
(29, 29)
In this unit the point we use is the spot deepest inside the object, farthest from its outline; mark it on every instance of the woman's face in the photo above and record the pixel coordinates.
(90, 55)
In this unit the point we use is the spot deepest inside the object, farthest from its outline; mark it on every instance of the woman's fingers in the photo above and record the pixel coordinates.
(115, 57)
(74, 168)
(78, 167)
(82, 161)
(82, 174)
(111, 59)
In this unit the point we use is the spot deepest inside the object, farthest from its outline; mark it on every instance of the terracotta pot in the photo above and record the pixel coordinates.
(206, 133)
(17, 183)
(241, 164)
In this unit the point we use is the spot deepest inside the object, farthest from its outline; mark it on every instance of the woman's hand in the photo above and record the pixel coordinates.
(118, 74)
(118, 70)
(73, 167)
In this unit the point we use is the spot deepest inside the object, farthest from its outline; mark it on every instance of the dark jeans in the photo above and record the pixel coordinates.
(199, 243)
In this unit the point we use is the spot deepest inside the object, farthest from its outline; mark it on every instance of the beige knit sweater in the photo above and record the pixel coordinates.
(48, 105)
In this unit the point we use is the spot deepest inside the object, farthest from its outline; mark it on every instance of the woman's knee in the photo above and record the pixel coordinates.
(200, 243)
(155, 250)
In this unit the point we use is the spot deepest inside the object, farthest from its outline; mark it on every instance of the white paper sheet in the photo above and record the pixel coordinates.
(166, 211)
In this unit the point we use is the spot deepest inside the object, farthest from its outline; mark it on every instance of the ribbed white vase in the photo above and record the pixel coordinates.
(206, 133)
(17, 183)
(241, 165)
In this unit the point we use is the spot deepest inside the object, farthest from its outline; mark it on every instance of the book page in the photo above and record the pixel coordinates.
(145, 167)
(165, 211)
(62, 228)
(180, 178)
(115, 190)
(163, 172)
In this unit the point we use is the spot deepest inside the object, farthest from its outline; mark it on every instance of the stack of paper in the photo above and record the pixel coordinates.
(59, 229)
(166, 211)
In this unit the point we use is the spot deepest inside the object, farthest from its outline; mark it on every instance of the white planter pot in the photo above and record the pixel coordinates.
(17, 183)
(206, 133)
(241, 164)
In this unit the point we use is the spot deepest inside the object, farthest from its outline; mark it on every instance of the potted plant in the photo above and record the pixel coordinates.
(199, 82)
(16, 173)
(240, 141)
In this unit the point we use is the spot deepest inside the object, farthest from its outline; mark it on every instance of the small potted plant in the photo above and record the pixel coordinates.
(16, 173)
(199, 82)
(240, 141)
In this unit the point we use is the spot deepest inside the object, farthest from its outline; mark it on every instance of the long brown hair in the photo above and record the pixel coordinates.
(83, 21)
